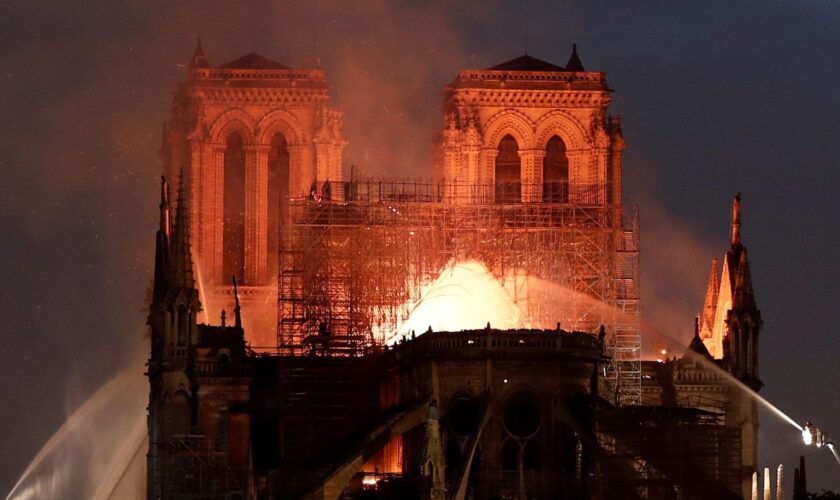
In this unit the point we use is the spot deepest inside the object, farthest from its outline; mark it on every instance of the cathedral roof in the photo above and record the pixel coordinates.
(253, 61)
(526, 63)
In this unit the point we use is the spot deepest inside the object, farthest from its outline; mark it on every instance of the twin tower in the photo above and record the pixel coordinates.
(251, 136)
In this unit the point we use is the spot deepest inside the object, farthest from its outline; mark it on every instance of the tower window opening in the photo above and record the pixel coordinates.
(183, 325)
(555, 172)
(508, 172)
(278, 198)
(233, 261)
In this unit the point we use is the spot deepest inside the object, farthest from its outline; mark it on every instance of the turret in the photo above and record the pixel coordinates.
(199, 60)
(743, 320)
(182, 264)
(172, 315)
(433, 466)
(172, 319)
(162, 242)
(574, 63)
(735, 224)
(237, 310)
(697, 347)
(709, 333)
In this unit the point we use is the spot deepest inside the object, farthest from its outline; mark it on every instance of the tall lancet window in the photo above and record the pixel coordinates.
(556, 172)
(233, 262)
(278, 198)
(508, 172)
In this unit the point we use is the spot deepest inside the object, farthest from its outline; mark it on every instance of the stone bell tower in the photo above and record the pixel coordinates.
(250, 135)
(527, 131)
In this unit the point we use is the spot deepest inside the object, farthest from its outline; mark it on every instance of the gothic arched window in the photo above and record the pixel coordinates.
(278, 197)
(508, 172)
(555, 172)
(233, 261)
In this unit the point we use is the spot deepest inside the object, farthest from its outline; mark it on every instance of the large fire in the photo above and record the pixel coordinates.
(464, 296)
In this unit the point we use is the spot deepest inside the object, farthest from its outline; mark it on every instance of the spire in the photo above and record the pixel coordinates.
(182, 265)
(199, 60)
(574, 63)
(710, 302)
(236, 309)
(165, 218)
(162, 244)
(734, 254)
(743, 296)
(735, 225)
(433, 461)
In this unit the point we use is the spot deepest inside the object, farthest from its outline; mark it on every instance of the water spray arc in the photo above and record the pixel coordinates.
(205, 306)
(97, 450)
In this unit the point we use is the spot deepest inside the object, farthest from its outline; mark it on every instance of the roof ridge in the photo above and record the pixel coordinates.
(527, 63)
(252, 60)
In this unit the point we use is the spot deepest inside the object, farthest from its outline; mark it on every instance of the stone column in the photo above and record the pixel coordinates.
(214, 198)
(487, 175)
(616, 153)
(532, 175)
(601, 155)
(452, 173)
(471, 156)
(579, 176)
(256, 213)
(336, 170)
(298, 177)
(261, 222)
(196, 183)
(322, 163)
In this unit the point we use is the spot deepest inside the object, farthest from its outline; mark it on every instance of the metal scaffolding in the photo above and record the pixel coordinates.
(659, 452)
(193, 469)
(351, 270)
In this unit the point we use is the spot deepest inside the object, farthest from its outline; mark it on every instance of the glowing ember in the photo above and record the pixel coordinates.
(370, 482)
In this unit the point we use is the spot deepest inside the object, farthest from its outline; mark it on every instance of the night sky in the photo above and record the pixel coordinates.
(716, 98)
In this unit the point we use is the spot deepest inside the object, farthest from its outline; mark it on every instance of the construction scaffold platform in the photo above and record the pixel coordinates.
(353, 267)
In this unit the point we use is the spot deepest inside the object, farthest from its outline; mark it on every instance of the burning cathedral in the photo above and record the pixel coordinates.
(311, 337)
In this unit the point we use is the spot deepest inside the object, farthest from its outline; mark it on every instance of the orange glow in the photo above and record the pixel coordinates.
(205, 306)
(369, 481)
(464, 296)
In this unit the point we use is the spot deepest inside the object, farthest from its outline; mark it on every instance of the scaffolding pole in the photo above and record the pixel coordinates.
(351, 270)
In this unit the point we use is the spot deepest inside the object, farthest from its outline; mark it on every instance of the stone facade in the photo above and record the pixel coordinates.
(268, 129)
(478, 413)
(532, 102)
